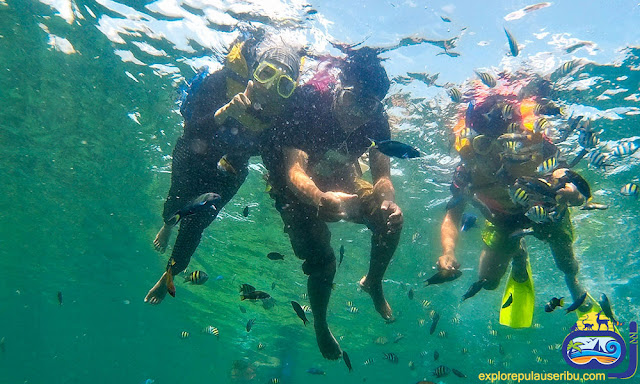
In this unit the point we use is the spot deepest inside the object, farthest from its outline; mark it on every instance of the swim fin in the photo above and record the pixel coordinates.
(520, 313)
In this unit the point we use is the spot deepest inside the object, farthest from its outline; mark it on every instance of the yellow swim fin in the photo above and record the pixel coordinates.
(520, 313)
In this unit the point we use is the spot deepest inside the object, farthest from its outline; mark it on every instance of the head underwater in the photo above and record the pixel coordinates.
(363, 70)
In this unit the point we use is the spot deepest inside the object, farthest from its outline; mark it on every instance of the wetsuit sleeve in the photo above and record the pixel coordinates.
(461, 180)
(203, 104)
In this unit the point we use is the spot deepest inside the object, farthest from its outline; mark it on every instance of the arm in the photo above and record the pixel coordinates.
(449, 237)
(384, 191)
(330, 203)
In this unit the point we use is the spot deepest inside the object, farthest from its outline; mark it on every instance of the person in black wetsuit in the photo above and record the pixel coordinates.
(226, 115)
(316, 178)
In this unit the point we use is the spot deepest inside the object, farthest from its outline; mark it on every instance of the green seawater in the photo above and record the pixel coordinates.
(81, 197)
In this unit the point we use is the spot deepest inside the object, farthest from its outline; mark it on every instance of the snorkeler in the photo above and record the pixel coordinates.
(316, 179)
(511, 172)
(226, 114)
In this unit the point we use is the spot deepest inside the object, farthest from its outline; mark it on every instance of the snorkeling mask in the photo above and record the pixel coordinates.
(268, 73)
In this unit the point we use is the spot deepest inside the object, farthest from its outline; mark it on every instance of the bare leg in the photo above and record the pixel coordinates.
(493, 265)
(159, 291)
(162, 238)
(319, 288)
(382, 249)
(566, 261)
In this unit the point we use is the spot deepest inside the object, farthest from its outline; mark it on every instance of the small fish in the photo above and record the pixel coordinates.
(578, 45)
(553, 304)
(455, 320)
(275, 256)
(306, 308)
(255, 295)
(436, 355)
(508, 302)
(488, 79)
(60, 297)
(464, 350)
(493, 332)
(2, 347)
(347, 361)
(458, 373)
(473, 289)
(273, 285)
(426, 303)
(538, 214)
(445, 19)
(421, 322)
(247, 288)
(540, 125)
(443, 276)
(398, 337)
(225, 166)
(411, 365)
(567, 67)
(501, 349)
(548, 165)
(397, 149)
(519, 196)
(341, 255)
(513, 128)
(513, 44)
(211, 330)
(410, 294)
(625, 149)
(349, 303)
(242, 309)
(171, 287)
(300, 312)
(606, 307)
(598, 159)
(588, 139)
(434, 323)
(260, 346)
(416, 236)
(441, 371)
(201, 203)
(250, 324)
(196, 277)
(392, 357)
(184, 334)
(576, 304)
(274, 380)
(353, 309)
(455, 94)
(468, 221)
(369, 361)
(316, 371)
(491, 361)
(630, 189)
(245, 211)
(442, 334)
(381, 340)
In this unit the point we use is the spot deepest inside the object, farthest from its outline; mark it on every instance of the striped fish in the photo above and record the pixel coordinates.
(488, 79)
(513, 128)
(392, 357)
(548, 165)
(598, 159)
(211, 330)
(184, 334)
(538, 214)
(588, 139)
(196, 277)
(626, 148)
(507, 112)
(353, 309)
(455, 94)
(540, 124)
(567, 67)
(441, 371)
(369, 361)
(519, 196)
(630, 189)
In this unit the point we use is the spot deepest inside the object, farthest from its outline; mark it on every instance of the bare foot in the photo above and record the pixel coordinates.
(375, 291)
(162, 238)
(328, 344)
(158, 292)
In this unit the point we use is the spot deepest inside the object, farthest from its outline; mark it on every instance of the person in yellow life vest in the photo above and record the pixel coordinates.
(226, 114)
(512, 173)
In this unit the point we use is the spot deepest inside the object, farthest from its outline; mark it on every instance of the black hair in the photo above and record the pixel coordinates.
(363, 69)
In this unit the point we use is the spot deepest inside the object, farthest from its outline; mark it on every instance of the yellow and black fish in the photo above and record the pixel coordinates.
(247, 288)
(488, 79)
(455, 94)
(630, 189)
(184, 334)
(441, 371)
(211, 330)
(196, 277)
(548, 165)
(392, 357)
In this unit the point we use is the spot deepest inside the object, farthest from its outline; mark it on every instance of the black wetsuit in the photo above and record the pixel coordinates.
(195, 159)
(332, 160)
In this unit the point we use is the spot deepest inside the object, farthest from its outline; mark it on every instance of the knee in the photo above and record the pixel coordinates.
(325, 267)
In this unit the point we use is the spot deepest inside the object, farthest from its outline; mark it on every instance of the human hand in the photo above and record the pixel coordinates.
(332, 205)
(447, 262)
(392, 215)
(237, 107)
(568, 194)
